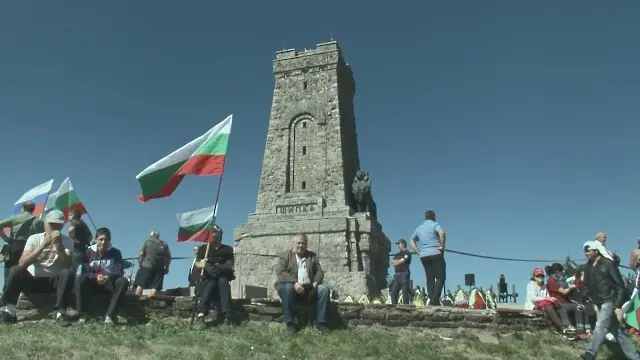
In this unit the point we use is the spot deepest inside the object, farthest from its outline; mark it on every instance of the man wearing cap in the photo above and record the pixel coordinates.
(401, 280)
(22, 226)
(216, 267)
(604, 285)
(44, 267)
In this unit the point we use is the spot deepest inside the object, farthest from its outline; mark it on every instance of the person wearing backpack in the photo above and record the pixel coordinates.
(153, 259)
(22, 225)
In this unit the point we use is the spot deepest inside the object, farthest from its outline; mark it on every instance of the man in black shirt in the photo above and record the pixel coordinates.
(82, 237)
(215, 279)
(401, 280)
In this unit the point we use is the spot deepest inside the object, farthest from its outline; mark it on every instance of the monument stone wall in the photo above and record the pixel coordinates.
(311, 158)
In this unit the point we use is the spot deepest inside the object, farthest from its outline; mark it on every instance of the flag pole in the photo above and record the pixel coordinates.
(215, 208)
(91, 220)
(46, 200)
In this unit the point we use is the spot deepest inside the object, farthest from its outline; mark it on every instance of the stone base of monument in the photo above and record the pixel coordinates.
(340, 315)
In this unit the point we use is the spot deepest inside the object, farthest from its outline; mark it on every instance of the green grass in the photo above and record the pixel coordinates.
(43, 340)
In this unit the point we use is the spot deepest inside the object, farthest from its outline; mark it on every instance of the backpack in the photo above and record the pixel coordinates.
(155, 253)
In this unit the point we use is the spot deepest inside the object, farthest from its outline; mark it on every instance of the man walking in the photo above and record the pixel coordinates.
(432, 239)
(605, 287)
(402, 278)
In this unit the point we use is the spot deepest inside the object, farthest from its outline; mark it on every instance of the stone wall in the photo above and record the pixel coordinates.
(340, 315)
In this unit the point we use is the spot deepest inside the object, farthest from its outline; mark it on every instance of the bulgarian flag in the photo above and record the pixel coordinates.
(197, 225)
(203, 156)
(66, 199)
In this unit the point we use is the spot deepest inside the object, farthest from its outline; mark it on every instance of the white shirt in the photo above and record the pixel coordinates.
(303, 271)
(534, 293)
(47, 264)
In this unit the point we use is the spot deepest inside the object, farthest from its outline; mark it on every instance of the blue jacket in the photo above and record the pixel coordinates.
(110, 264)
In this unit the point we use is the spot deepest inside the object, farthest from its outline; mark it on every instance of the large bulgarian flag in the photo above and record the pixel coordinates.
(203, 156)
(197, 225)
(66, 199)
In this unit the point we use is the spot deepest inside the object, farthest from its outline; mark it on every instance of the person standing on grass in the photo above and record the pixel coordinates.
(44, 267)
(604, 285)
(432, 239)
(402, 278)
(300, 280)
(153, 260)
(82, 237)
(102, 273)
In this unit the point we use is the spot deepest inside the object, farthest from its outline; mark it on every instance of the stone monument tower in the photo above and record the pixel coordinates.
(310, 161)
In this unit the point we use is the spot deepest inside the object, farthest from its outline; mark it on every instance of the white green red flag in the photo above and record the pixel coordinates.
(204, 156)
(66, 199)
(197, 225)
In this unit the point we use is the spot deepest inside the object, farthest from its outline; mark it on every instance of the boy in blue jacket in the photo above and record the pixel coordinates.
(102, 273)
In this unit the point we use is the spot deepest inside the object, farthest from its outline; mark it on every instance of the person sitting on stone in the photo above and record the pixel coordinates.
(44, 267)
(538, 299)
(300, 279)
(102, 273)
(154, 259)
(216, 267)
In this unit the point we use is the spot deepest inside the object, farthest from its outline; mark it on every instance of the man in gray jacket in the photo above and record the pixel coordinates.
(300, 279)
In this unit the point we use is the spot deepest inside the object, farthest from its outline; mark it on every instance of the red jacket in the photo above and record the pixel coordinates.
(553, 287)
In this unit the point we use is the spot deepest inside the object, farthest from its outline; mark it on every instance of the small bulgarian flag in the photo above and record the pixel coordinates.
(197, 225)
(203, 156)
(66, 199)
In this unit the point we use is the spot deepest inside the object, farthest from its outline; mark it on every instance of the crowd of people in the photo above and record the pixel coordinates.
(592, 305)
(40, 259)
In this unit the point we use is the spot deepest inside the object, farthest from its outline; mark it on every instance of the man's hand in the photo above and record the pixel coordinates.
(166, 270)
(314, 289)
(102, 279)
(441, 248)
(620, 316)
(298, 288)
(200, 264)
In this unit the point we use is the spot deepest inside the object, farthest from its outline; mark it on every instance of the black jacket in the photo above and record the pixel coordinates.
(220, 263)
(603, 283)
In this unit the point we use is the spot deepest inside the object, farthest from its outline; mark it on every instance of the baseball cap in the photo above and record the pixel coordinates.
(54, 217)
(401, 241)
(538, 271)
(592, 244)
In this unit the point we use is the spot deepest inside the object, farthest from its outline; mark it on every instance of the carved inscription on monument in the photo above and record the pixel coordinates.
(295, 209)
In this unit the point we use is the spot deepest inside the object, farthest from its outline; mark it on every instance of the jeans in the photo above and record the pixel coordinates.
(84, 286)
(401, 282)
(290, 297)
(211, 289)
(578, 313)
(607, 322)
(76, 260)
(20, 280)
(558, 317)
(435, 269)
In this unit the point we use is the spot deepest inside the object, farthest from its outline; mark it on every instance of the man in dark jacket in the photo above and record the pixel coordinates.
(604, 285)
(217, 272)
(102, 272)
(300, 279)
(402, 278)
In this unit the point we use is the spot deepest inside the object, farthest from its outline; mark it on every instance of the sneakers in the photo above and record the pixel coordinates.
(322, 327)
(82, 320)
(7, 318)
(610, 337)
(109, 321)
(570, 333)
(62, 320)
(291, 328)
(200, 324)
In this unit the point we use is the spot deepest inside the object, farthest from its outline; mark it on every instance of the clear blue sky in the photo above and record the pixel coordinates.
(517, 122)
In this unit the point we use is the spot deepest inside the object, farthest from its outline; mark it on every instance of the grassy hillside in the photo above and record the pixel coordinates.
(43, 340)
